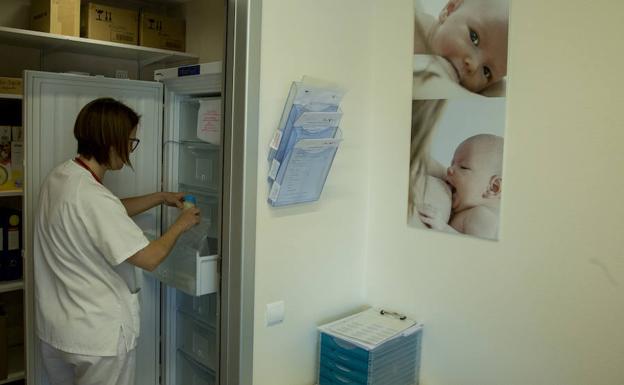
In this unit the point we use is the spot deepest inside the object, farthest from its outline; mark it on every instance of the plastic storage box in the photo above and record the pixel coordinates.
(394, 362)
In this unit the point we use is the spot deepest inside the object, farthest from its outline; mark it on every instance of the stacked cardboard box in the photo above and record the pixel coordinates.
(56, 16)
(104, 22)
(99, 21)
(158, 31)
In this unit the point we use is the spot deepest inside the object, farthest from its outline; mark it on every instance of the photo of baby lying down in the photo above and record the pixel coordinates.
(456, 166)
(460, 47)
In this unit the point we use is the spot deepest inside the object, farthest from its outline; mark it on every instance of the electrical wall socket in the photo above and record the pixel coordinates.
(275, 313)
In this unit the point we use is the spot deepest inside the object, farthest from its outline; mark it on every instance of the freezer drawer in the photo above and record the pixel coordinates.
(192, 266)
(196, 340)
(202, 308)
(189, 373)
(191, 273)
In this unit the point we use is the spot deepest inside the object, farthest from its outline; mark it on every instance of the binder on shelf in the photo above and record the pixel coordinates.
(305, 143)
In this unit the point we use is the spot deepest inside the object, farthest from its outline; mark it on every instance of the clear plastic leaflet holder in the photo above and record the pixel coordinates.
(303, 97)
(304, 144)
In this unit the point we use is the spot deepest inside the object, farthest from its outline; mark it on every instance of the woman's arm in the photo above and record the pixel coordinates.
(156, 251)
(137, 205)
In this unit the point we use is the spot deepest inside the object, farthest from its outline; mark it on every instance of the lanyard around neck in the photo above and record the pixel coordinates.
(86, 167)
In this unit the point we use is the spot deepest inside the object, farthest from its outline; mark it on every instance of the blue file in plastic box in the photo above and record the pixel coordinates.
(345, 361)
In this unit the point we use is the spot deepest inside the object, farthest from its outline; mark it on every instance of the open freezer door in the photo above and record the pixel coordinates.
(52, 102)
(193, 164)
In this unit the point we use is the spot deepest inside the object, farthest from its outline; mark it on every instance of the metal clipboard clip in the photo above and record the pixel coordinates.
(402, 317)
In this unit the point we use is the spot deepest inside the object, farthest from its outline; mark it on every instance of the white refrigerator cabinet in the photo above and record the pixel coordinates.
(179, 320)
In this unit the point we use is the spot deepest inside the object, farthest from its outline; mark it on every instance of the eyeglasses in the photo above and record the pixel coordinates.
(134, 143)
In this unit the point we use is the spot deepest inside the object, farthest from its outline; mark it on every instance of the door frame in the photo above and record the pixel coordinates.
(241, 121)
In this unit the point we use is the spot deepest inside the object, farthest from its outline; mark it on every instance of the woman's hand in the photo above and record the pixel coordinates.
(188, 218)
(173, 199)
(431, 217)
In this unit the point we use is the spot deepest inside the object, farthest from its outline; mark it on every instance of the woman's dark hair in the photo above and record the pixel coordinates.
(103, 124)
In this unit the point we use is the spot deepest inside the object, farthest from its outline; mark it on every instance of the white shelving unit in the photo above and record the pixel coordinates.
(49, 42)
(10, 96)
(11, 193)
(11, 286)
(16, 358)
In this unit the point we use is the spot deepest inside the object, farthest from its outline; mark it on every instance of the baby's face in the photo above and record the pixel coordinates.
(469, 175)
(472, 36)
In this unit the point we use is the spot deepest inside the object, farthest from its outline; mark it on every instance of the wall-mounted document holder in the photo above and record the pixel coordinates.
(305, 143)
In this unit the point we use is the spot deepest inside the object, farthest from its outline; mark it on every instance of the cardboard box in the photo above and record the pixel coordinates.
(158, 31)
(10, 86)
(56, 16)
(103, 22)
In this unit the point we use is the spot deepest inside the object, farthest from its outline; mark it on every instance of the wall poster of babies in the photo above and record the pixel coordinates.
(458, 116)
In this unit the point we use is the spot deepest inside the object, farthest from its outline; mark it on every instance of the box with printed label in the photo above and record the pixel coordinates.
(10, 85)
(158, 31)
(104, 22)
(56, 16)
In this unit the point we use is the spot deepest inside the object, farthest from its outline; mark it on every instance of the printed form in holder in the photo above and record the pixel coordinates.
(371, 328)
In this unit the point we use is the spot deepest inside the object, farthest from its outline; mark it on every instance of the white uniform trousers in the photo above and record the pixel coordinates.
(65, 368)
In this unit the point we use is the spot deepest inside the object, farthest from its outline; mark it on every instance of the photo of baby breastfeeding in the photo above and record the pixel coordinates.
(456, 165)
(460, 48)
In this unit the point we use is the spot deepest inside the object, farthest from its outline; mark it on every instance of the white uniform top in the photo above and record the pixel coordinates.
(82, 232)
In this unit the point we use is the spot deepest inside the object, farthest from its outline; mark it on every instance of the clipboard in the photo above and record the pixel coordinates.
(372, 327)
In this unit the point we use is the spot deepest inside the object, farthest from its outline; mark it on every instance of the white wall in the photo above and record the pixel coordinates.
(312, 256)
(207, 17)
(544, 305)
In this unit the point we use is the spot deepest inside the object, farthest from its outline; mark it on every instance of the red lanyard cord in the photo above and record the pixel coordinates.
(84, 165)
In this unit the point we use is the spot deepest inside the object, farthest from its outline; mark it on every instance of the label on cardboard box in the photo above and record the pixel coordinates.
(158, 31)
(10, 85)
(103, 22)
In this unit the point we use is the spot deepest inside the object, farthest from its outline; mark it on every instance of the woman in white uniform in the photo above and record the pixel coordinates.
(87, 318)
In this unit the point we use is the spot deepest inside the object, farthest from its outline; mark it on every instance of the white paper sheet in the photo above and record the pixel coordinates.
(369, 328)
(209, 121)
